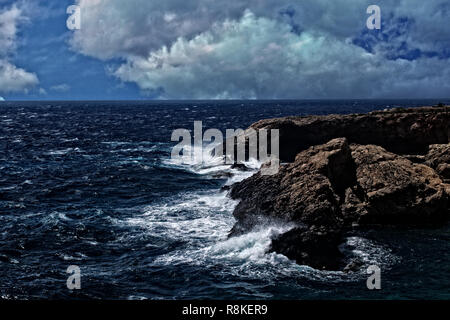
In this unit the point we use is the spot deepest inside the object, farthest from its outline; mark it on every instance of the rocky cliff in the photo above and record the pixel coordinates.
(402, 131)
(346, 172)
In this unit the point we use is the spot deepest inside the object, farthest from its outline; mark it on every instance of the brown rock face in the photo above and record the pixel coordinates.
(438, 158)
(302, 192)
(332, 186)
(402, 131)
(393, 190)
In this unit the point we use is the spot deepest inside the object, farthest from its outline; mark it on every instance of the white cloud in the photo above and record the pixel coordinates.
(12, 78)
(64, 87)
(8, 29)
(260, 58)
(246, 49)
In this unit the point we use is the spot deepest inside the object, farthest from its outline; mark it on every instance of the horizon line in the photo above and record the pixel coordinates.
(219, 100)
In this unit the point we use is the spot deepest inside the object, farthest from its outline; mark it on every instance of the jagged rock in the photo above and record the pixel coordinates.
(438, 158)
(330, 183)
(393, 190)
(303, 192)
(402, 131)
(332, 187)
(306, 193)
(315, 246)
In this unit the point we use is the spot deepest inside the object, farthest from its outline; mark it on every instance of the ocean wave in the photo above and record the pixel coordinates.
(203, 216)
(369, 252)
(213, 167)
(203, 221)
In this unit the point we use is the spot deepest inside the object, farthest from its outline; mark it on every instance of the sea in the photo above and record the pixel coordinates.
(91, 184)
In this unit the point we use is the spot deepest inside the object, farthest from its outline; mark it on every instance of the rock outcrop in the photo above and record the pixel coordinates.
(302, 192)
(438, 158)
(401, 131)
(348, 181)
(393, 190)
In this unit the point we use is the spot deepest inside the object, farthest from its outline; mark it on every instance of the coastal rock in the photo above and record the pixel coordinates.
(315, 246)
(305, 191)
(354, 265)
(333, 187)
(240, 167)
(392, 190)
(438, 158)
(337, 184)
(402, 131)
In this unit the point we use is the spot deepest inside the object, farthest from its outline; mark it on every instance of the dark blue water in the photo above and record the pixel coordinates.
(92, 184)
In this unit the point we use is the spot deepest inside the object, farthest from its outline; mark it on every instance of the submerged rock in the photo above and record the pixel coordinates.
(240, 167)
(332, 187)
(354, 265)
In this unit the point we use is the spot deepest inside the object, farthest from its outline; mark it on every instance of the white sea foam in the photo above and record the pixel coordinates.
(193, 216)
(249, 248)
(62, 152)
(369, 252)
(138, 149)
(246, 255)
(202, 221)
(212, 166)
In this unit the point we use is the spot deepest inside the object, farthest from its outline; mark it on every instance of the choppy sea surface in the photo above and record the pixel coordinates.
(91, 184)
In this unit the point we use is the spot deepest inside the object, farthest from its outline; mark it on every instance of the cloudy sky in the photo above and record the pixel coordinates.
(224, 49)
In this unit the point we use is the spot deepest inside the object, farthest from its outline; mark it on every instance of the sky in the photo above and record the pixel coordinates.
(222, 49)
